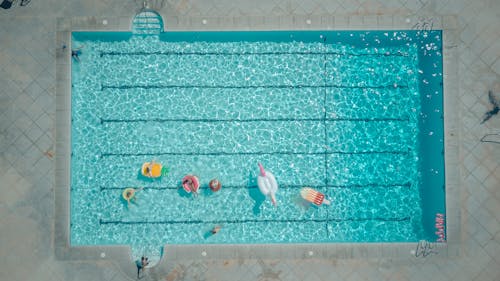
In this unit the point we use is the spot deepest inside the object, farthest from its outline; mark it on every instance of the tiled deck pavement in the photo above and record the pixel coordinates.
(27, 138)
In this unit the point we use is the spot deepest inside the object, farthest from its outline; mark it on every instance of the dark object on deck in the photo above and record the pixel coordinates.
(6, 4)
(495, 110)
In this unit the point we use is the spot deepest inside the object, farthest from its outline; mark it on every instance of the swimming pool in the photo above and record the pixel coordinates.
(355, 115)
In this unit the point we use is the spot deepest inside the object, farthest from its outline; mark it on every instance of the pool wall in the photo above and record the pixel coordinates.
(121, 254)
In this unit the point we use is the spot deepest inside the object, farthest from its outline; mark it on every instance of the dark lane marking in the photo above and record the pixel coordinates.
(208, 120)
(282, 186)
(173, 53)
(397, 219)
(159, 86)
(400, 152)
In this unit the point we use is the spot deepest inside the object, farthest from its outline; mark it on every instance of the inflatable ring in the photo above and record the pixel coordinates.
(267, 184)
(155, 172)
(128, 193)
(190, 183)
(215, 185)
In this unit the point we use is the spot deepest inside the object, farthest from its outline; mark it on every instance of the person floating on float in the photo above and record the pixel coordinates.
(153, 170)
(128, 194)
(215, 185)
(190, 183)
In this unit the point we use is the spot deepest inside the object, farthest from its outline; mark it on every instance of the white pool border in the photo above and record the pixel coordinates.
(403, 252)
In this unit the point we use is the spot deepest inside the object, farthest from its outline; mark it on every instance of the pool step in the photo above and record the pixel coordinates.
(147, 22)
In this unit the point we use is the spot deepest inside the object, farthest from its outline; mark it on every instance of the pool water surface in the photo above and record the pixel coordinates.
(345, 113)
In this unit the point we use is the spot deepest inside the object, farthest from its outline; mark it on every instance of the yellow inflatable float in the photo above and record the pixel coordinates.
(151, 170)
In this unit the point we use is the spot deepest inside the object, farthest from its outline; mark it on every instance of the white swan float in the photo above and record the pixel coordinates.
(267, 184)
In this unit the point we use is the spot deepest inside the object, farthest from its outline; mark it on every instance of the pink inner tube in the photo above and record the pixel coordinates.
(195, 183)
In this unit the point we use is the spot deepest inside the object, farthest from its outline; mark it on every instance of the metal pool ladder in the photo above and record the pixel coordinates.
(147, 22)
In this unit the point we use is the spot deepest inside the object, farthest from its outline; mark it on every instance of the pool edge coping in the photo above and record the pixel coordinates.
(122, 254)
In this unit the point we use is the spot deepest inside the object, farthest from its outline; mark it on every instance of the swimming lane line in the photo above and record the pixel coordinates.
(159, 86)
(395, 219)
(173, 53)
(283, 186)
(208, 120)
(221, 153)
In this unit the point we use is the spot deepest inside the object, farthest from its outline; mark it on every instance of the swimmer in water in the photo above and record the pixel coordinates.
(75, 53)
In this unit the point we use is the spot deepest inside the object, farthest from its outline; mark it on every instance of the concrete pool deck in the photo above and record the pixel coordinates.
(31, 92)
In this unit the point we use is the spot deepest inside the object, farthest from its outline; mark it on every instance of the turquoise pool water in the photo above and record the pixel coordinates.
(343, 112)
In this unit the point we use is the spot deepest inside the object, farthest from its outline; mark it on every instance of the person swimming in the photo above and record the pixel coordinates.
(215, 229)
(75, 53)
